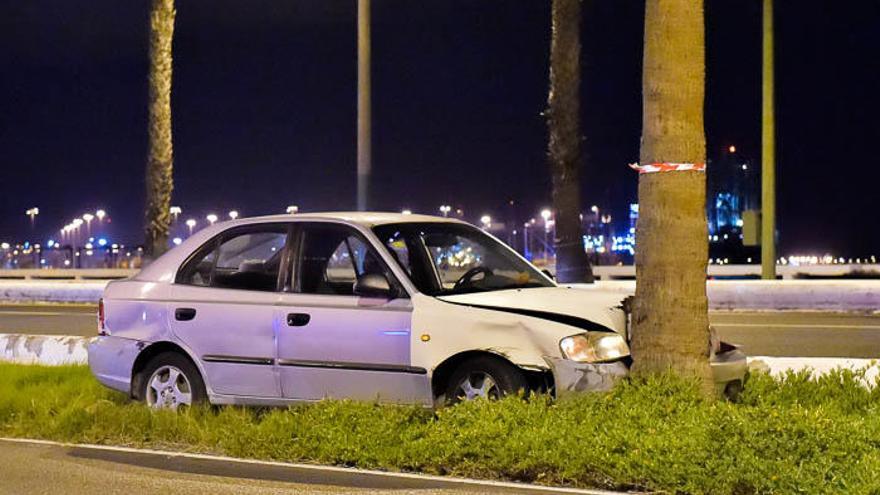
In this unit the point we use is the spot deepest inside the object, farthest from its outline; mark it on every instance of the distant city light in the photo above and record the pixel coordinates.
(100, 214)
(486, 220)
(233, 214)
(445, 209)
(211, 218)
(102, 242)
(292, 209)
(732, 149)
(177, 241)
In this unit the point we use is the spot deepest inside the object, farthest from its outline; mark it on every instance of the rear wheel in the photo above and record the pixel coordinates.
(171, 381)
(484, 377)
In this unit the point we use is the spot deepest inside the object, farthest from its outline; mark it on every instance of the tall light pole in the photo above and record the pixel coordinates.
(191, 223)
(364, 151)
(768, 153)
(32, 213)
(88, 217)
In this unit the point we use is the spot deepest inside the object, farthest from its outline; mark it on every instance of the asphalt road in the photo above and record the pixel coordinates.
(804, 334)
(51, 469)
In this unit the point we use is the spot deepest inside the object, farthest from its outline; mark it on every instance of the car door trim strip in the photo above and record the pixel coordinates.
(344, 365)
(213, 358)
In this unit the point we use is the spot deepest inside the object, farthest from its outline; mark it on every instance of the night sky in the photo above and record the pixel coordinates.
(264, 108)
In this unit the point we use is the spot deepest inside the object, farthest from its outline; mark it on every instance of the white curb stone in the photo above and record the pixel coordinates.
(51, 350)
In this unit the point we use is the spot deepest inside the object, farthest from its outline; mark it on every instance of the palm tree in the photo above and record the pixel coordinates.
(563, 122)
(670, 319)
(160, 163)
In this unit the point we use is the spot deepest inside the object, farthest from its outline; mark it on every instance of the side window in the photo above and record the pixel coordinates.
(333, 258)
(198, 271)
(248, 260)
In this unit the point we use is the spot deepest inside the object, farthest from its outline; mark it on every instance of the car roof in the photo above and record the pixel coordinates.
(365, 218)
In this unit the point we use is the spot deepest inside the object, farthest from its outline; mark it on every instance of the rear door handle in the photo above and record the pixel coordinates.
(184, 314)
(298, 319)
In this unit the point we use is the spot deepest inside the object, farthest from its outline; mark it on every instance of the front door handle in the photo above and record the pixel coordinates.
(298, 319)
(184, 314)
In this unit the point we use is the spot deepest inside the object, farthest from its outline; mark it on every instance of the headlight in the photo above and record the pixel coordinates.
(594, 347)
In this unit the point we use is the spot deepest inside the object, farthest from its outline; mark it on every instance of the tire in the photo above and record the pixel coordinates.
(505, 378)
(170, 380)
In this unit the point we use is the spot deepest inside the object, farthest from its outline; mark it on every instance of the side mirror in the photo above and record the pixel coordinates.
(373, 285)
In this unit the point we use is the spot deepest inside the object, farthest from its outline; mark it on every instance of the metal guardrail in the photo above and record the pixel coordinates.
(612, 272)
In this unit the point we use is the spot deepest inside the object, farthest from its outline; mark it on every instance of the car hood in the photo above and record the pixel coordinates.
(590, 310)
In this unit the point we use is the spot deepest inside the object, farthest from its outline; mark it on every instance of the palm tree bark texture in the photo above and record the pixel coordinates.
(159, 182)
(670, 315)
(564, 153)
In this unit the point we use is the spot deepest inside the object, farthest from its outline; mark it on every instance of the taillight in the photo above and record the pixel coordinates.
(101, 328)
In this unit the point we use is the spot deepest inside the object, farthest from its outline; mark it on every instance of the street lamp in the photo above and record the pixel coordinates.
(233, 214)
(292, 209)
(445, 209)
(77, 222)
(88, 217)
(546, 214)
(486, 220)
(191, 223)
(32, 212)
(175, 211)
(211, 218)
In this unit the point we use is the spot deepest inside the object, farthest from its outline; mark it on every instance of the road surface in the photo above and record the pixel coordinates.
(50, 469)
(804, 334)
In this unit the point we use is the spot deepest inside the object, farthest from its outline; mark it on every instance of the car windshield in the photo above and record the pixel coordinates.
(444, 258)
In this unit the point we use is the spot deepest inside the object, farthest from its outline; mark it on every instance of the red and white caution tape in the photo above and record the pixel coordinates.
(667, 167)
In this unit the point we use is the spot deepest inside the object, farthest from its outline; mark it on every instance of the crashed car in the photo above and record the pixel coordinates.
(366, 306)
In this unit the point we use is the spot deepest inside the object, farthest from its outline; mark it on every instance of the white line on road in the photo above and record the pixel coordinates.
(412, 476)
(793, 325)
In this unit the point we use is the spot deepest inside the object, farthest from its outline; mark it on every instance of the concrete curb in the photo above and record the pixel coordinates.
(51, 291)
(50, 350)
(450, 482)
(778, 366)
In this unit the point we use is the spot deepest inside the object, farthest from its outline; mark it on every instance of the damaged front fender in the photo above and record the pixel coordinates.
(574, 377)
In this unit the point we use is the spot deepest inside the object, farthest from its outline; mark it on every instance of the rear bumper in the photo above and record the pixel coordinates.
(571, 377)
(111, 360)
(728, 368)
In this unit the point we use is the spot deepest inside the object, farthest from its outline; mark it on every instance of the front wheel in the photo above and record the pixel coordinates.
(484, 377)
(171, 381)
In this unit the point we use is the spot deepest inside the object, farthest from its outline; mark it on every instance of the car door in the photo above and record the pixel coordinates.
(333, 343)
(223, 308)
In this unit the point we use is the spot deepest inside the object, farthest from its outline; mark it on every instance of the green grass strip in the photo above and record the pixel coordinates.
(790, 435)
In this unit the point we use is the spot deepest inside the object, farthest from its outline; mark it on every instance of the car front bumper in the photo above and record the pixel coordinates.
(111, 360)
(728, 371)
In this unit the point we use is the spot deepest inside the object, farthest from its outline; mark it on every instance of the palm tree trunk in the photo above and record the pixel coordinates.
(670, 319)
(563, 122)
(159, 164)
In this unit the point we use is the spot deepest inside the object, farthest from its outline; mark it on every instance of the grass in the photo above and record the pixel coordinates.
(790, 435)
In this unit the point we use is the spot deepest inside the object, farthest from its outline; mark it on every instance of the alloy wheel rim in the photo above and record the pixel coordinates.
(477, 385)
(168, 388)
